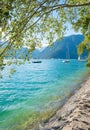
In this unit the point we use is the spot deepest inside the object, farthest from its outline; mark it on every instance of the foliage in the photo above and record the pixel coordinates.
(28, 22)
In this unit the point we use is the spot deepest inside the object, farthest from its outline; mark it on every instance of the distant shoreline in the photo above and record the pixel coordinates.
(75, 114)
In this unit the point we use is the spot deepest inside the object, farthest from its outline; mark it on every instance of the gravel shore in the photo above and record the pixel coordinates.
(75, 114)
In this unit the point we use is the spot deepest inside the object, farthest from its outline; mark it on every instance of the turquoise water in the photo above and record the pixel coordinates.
(35, 90)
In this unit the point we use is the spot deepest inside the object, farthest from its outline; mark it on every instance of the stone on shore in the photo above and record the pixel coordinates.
(75, 114)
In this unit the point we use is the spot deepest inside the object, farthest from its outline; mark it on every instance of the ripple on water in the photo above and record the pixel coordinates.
(34, 92)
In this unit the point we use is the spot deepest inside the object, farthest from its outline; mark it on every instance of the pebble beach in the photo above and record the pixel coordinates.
(74, 114)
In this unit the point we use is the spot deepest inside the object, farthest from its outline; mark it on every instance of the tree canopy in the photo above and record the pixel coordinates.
(29, 22)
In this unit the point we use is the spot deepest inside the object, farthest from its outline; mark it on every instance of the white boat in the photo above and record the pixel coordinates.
(67, 56)
(66, 60)
(81, 60)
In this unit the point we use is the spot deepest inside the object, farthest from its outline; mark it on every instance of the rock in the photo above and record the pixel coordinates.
(75, 114)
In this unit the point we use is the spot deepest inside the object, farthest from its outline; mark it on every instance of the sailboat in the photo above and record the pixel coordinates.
(67, 56)
(81, 60)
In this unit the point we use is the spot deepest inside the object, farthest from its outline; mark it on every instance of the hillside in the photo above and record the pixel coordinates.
(59, 49)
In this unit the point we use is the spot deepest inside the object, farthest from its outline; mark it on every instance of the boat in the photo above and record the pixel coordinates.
(81, 60)
(36, 61)
(65, 61)
(67, 56)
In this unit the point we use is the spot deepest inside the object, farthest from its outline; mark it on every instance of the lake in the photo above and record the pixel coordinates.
(36, 91)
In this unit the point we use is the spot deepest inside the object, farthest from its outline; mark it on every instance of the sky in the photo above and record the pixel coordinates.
(68, 32)
(71, 32)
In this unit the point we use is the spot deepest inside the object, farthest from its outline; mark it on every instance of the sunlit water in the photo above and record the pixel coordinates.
(30, 94)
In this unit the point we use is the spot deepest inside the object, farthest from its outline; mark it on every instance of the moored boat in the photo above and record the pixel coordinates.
(36, 61)
(81, 60)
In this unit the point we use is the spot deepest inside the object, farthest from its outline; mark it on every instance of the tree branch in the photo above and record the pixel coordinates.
(33, 14)
(68, 5)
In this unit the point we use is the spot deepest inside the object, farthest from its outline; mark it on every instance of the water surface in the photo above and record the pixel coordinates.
(30, 94)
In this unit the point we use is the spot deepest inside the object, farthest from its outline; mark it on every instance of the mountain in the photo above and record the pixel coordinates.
(60, 48)
(35, 53)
